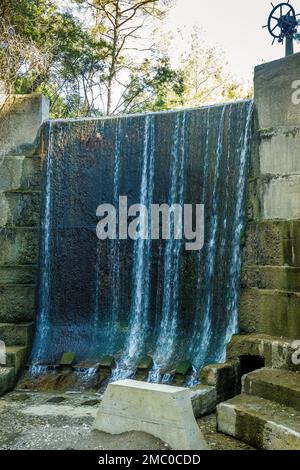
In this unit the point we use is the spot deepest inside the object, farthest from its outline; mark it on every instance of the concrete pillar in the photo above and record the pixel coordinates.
(270, 297)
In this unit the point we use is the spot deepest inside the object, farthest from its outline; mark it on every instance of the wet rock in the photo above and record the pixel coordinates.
(90, 403)
(183, 368)
(67, 359)
(56, 400)
(145, 363)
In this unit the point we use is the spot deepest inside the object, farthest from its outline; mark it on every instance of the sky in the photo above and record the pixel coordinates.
(233, 25)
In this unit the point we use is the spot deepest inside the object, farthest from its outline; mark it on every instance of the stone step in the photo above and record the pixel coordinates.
(18, 303)
(16, 357)
(273, 243)
(16, 334)
(26, 274)
(277, 352)
(7, 379)
(19, 245)
(19, 208)
(285, 278)
(20, 172)
(261, 423)
(273, 312)
(282, 386)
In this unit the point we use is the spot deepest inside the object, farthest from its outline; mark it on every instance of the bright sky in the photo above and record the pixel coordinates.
(235, 26)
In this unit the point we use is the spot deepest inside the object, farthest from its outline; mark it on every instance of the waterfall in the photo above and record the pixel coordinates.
(143, 296)
(166, 340)
(115, 283)
(235, 265)
(138, 325)
(42, 324)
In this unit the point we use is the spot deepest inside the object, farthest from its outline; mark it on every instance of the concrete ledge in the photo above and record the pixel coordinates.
(272, 312)
(161, 410)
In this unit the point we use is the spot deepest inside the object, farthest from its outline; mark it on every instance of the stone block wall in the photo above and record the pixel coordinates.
(20, 177)
(270, 297)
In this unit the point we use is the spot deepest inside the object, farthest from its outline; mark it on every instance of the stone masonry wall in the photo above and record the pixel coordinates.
(270, 297)
(20, 177)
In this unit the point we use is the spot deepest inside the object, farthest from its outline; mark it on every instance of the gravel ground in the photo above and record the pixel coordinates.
(50, 421)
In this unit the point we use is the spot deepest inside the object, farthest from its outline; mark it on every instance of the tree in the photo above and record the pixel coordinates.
(19, 58)
(123, 24)
(155, 86)
(206, 78)
(74, 56)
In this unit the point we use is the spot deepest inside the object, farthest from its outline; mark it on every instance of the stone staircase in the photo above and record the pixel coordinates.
(266, 414)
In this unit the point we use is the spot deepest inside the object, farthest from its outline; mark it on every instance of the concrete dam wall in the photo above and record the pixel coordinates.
(151, 301)
(145, 297)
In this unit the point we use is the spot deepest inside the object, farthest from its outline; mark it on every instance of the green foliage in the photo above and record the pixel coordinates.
(97, 62)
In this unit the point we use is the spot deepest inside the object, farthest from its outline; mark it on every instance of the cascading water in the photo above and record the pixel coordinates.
(42, 327)
(166, 340)
(129, 297)
(139, 324)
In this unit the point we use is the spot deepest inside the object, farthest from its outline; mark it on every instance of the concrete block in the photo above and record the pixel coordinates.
(16, 335)
(15, 357)
(17, 303)
(272, 312)
(281, 386)
(7, 379)
(145, 364)
(21, 117)
(277, 352)
(273, 92)
(67, 359)
(273, 243)
(20, 172)
(19, 245)
(272, 277)
(160, 410)
(20, 208)
(204, 400)
(261, 423)
(281, 198)
(183, 368)
(223, 377)
(279, 151)
(18, 274)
